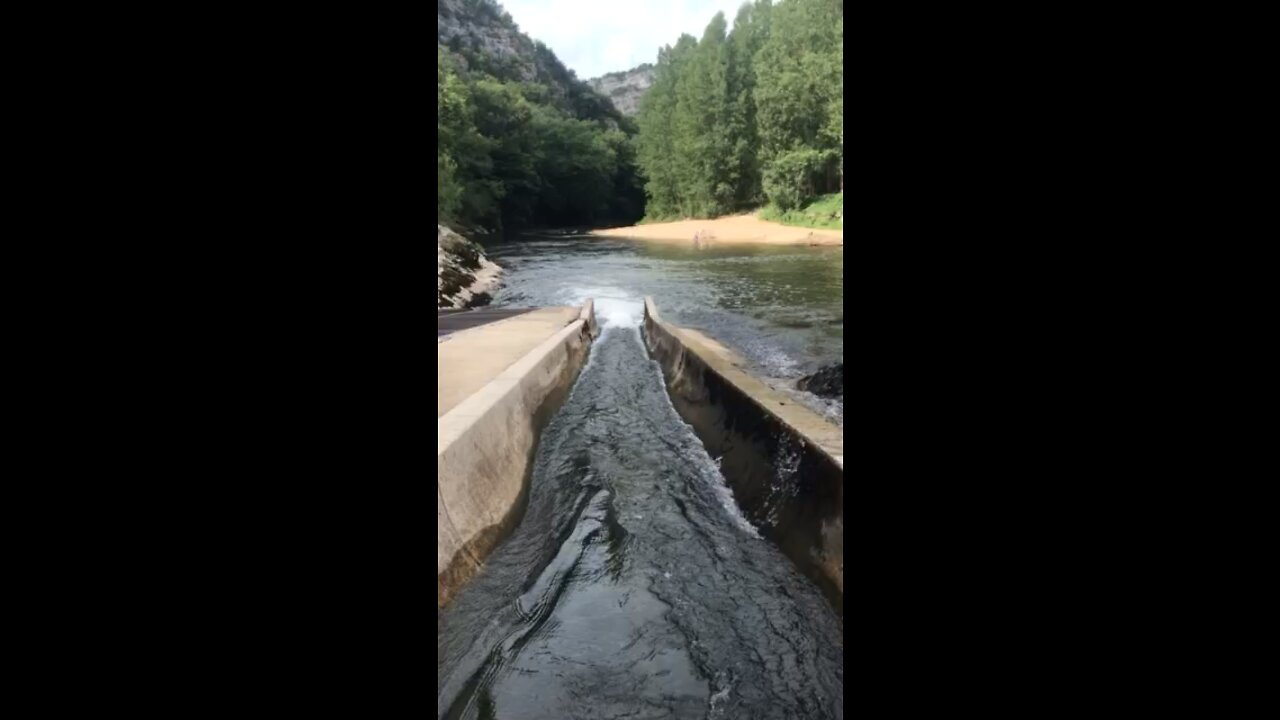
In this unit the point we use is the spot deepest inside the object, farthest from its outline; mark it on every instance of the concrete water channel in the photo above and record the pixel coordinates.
(629, 524)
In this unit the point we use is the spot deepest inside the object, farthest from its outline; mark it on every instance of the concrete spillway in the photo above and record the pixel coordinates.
(497, 385)
(632, 585)
(784, 463)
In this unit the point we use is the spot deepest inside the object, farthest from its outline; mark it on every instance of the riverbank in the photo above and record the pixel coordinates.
(746, 229)
(464, 276)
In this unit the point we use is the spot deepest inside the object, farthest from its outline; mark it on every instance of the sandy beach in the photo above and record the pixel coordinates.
(735, 229)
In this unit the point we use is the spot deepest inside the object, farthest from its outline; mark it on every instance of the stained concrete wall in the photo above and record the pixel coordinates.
(485, 448)
(784, 462)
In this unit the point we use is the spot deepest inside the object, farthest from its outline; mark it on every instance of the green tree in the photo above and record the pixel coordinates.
(835, 126)
(755, 114)
(454, 133)
(656, 144)
(577, 167)
(703, 144)
(799, 75)
(448, 192)
(512, 153)
(795, 176)
(504, 118)
(750, 30)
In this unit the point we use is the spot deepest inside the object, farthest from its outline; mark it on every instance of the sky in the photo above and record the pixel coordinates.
(594, 37)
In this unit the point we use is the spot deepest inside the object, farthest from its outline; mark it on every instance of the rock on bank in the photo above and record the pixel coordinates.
(465, 277)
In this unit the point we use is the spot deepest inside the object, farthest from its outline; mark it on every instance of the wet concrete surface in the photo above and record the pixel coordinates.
(451, 321)
(634, 587)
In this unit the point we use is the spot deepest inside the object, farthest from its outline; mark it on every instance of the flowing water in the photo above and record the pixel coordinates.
(634, 587)
(782, 308)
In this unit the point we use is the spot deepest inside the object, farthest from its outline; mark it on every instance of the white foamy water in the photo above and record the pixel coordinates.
(611, 312)
(614, 307)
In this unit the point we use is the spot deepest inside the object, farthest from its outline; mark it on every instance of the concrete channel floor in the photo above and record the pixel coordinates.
(468, 359)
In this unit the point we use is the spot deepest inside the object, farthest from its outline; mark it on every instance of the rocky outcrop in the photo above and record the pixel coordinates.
(464, 276)
(624, 89)
(479, 35)
(827, 382)
(481, 28)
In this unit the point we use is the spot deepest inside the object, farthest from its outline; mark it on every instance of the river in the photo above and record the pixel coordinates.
(781, 307)
(634, 587)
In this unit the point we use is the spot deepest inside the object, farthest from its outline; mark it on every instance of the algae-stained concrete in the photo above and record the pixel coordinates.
(784, 462)
(486, 439)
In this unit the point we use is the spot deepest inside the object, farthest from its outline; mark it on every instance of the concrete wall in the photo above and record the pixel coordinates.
(485, 450)
(784, 462)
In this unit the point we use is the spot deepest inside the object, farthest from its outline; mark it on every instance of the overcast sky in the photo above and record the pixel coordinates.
(594, 37)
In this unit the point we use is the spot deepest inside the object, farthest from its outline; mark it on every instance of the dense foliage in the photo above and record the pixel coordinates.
(755, 114)
(826, 212)
(514, 153)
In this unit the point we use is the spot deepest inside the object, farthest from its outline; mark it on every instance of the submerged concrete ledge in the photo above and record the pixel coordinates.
(485, 447)
(784, 462)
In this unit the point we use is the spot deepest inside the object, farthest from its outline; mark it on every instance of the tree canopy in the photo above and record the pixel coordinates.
(519, 154)
(733, 119)
(754, 114)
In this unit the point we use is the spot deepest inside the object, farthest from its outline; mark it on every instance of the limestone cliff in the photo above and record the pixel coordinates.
(481, 27)
(483, 37)
(624, 89)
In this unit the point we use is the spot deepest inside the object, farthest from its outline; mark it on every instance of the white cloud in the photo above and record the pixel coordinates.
(594, 37)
